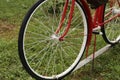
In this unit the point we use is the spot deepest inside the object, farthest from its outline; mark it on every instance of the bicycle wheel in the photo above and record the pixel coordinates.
(41, 52)
(111, 30)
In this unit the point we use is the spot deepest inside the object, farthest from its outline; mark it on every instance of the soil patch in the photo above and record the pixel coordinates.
(8, 30)
(6, 27)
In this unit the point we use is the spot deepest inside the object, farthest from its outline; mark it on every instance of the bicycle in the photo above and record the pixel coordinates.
(55, 34)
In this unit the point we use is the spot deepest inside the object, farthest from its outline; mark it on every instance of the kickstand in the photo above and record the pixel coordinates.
(93, 61)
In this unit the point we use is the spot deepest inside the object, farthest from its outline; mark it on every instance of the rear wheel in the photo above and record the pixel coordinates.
(111, 30)
(41, 52)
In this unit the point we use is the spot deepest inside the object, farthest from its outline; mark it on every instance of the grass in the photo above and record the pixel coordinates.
(107, 66)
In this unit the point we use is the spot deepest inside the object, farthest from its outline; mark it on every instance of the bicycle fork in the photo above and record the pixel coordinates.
(61, 38)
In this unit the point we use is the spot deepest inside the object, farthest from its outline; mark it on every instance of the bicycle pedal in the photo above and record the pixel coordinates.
(97, 33)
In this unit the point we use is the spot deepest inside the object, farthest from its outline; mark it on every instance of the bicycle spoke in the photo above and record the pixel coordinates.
(43, 53)
(111, 30)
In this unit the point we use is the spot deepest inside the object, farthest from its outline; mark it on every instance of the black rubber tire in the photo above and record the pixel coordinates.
(103, 29)
(20, 44)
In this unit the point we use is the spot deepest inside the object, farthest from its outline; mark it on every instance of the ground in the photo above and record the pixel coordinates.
(107, 66)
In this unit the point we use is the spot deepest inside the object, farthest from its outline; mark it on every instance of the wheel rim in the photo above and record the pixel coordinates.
(112, 28)
(46, 56)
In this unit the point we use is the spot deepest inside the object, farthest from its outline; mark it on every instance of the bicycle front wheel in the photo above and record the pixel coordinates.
(111, 30)
(41, 52)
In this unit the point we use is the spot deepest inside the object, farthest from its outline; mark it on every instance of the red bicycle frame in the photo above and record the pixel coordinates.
(95, 22)
(88, 14)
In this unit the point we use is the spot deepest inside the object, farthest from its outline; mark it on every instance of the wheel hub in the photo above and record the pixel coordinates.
(54, 37)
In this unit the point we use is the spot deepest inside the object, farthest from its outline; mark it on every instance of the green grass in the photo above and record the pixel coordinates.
(107, 66)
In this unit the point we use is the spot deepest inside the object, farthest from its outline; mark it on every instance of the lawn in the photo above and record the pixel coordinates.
(107, 66)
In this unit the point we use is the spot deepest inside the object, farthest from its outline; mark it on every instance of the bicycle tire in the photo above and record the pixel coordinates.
(33, 29)
(111, 30)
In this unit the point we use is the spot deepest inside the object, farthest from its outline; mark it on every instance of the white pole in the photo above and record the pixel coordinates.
(90, 58)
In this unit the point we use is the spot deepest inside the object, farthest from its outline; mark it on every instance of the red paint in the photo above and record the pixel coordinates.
(63, 16)
(70, 20)
(93, 22)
